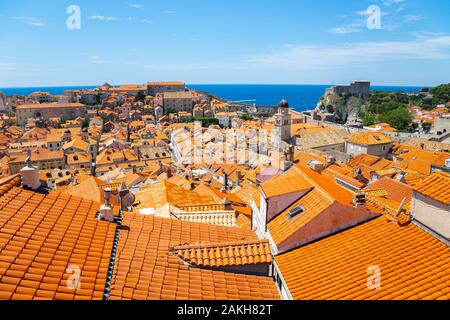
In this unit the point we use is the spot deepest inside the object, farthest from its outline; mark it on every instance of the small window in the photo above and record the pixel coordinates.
(296, 212)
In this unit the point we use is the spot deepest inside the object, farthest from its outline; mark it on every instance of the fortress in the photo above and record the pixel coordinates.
(359, 89)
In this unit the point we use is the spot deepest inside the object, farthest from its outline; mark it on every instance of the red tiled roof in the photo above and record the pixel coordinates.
(145, 269)
(44, 238)
(225, 254)
(437, 186)
(413, 265)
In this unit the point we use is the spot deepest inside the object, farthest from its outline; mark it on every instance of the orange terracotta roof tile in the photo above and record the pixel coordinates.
(225, 254)
(370, 138)
(165, 193)
(43, 237)
(285, 184)
(144, 248)
(365, 159)
(395, 190)
(282, 227)
(413, 264)
(437, 187)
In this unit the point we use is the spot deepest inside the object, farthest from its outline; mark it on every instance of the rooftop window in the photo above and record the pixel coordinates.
(296, 212)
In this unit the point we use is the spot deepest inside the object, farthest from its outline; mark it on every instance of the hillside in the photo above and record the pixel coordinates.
(382, 107)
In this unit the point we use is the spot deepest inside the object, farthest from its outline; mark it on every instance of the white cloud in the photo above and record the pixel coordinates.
(412, 18)
(389, 3)
(168, 12)
(345, 30)
(103, 18)
(147, 21)
(32, 21)
(36, 24)
(134, 5)
(96, 60)
(325, 56)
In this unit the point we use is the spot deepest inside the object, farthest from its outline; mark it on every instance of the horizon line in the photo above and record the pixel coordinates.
(221, 84)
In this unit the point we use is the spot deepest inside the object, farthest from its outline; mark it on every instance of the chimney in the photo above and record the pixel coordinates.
(357, 173)
(359, 199)
(125, 197)
(93, 168)
(227, 203)
(316, 165)
(106, 210)
(238, 177)
(30, 174)
(331, 160)
(401, 177)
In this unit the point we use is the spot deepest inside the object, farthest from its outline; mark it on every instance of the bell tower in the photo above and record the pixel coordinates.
(283, 121)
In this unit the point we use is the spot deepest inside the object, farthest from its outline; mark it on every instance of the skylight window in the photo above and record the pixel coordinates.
(295, 212)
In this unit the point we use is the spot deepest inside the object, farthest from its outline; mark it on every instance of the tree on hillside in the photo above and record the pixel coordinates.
(369, 119)
(441, 94)
(385, 106)
(399, 118)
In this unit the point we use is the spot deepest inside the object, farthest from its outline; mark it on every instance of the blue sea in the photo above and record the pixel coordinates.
(300, 97)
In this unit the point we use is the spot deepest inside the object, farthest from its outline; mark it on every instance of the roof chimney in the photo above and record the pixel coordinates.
(238, 177)
(316, 165)
(30, 174)
(331, 160)
(106, 210)
(359, 199)
(125, 197)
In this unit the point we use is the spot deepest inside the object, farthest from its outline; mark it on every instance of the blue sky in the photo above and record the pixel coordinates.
(218, 41)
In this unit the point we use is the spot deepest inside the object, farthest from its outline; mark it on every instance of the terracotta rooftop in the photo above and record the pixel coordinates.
(225, 254)
(44, 239)
(365, 159)
(50, 105)
(165, 193)
(369, 138)
(437, 187)
(76, 143)
(282, 227)
(39, 155)
(285, 184)
(145, 268)
(413, 265)
(396, 190)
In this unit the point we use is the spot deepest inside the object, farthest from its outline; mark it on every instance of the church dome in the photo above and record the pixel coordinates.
(283, 104)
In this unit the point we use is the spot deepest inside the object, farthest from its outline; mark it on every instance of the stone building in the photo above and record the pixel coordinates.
(359, 89)
(373, 143)
(49, 110)
(179, 101)
(153, 88)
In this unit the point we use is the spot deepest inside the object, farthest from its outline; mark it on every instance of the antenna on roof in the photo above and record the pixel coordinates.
(28, 159)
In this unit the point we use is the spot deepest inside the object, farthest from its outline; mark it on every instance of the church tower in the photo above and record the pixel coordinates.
(283, 121)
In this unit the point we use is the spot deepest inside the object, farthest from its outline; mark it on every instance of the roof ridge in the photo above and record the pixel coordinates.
(8, 184)
(206, 245)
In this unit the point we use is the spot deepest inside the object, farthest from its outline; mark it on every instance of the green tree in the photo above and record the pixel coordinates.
(426, 126)
(170, 111)
(207, 121)
(98, 98)
(369, 119)
(399, 118)
(246, 117)
(140, 97)
(85, 124)
(441, 94)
